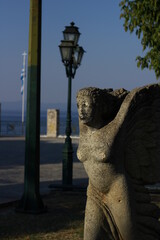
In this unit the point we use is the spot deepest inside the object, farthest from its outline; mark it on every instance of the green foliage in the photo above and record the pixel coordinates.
(143, 18)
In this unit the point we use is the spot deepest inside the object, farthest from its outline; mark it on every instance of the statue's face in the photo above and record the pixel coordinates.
(85, 109)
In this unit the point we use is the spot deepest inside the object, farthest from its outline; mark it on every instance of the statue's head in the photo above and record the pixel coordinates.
(92, 105)
(86, 102)
(97, 107)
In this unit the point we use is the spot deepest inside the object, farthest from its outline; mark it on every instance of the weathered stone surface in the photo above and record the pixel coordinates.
(120, 148)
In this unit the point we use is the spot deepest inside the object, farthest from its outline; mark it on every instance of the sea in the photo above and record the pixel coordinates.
(11, 123)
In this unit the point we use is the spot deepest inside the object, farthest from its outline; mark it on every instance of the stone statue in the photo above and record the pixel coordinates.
(120, 148)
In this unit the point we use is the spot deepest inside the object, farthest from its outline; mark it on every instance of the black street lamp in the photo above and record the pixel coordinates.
(71, 54)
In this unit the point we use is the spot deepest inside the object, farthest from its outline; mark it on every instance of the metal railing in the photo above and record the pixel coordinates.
(12, 128)
(16, 128)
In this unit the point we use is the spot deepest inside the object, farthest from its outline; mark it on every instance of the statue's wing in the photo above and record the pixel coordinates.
(139, 145)
(140, 130)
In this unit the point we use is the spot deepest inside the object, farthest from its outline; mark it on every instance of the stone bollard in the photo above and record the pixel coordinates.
(52, 122)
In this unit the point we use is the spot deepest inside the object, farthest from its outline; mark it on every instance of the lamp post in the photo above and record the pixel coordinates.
(71, 54)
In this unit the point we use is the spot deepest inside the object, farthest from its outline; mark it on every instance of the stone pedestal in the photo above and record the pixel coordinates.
(52, 122)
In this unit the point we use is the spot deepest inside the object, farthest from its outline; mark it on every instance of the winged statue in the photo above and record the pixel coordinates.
(119, 146)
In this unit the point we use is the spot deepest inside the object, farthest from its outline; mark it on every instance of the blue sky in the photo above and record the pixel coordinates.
(109, 61)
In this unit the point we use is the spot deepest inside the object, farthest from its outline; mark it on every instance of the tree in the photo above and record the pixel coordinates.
(143, 18)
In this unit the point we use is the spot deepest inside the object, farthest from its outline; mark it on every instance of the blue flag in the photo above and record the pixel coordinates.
(22, 80)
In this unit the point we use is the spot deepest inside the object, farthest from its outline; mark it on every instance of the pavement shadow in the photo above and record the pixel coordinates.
(51, 153)
(12, 152)
(12, 192)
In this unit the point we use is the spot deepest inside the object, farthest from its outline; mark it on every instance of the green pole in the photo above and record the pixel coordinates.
(68, 149)
(31, 201)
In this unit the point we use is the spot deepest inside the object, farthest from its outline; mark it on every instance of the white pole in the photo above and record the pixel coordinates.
(24, 78)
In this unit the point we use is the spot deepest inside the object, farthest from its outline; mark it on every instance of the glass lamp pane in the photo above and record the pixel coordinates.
(66, 50)
(75, 57)
(66, 53)
(71, 33)
(80, 55)
(71, 37)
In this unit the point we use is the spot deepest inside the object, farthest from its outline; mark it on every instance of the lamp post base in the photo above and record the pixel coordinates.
(67, 162)
(31, 205)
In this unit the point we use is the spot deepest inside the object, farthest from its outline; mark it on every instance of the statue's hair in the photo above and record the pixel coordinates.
(95, 93)
(107, 100)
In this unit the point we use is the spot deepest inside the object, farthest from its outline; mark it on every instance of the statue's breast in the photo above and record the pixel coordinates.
(93, 147)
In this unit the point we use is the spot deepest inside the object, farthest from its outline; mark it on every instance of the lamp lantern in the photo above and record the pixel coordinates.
(71, 33)
(66, 50)
(78, 54)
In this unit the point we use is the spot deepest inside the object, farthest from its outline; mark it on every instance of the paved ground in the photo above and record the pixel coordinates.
(12, 166)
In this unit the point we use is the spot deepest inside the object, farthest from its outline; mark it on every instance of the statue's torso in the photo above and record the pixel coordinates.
(95, 152)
